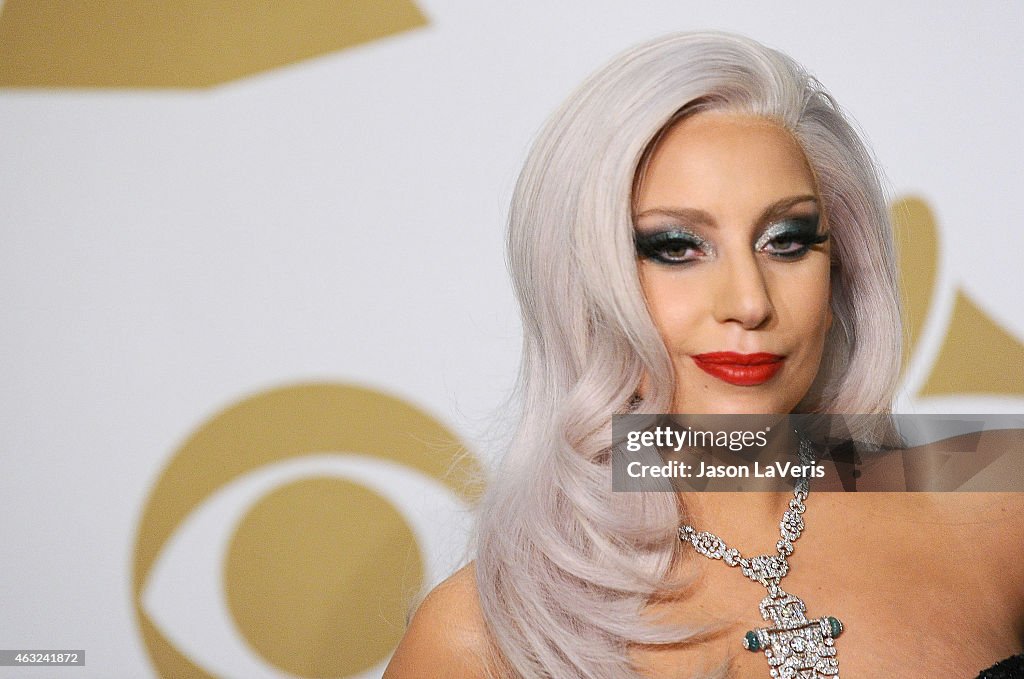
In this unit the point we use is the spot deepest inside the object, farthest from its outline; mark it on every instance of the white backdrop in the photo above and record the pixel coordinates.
(166, 253)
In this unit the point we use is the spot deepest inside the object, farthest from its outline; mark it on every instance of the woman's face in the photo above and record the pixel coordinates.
(733, 263)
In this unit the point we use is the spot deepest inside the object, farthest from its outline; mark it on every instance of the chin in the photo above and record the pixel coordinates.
(735, 406)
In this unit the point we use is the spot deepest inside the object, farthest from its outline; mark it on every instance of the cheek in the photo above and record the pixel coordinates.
(674, 307)
(809, 308)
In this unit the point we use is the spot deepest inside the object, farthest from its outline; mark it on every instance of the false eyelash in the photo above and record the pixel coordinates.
(654, 245)
(802, 231)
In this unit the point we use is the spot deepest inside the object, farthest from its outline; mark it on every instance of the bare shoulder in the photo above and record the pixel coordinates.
(447, 636)
(987, 470)
(1003, 451)
(984, 520)
(988, 461)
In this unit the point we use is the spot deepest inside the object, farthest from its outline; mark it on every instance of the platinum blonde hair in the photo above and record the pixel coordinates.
(564, 565)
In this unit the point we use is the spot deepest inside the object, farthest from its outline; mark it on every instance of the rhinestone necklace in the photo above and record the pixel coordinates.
(796, 648)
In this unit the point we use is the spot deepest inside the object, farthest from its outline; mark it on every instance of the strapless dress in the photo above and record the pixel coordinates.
(1011, 668)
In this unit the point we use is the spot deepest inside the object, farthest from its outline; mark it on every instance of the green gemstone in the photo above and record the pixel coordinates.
(836, 626)
(751, 642)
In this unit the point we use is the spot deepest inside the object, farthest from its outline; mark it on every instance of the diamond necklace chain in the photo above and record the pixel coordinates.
(794, 645)
(766, 569)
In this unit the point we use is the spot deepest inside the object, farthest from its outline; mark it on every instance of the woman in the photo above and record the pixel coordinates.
(700, 230)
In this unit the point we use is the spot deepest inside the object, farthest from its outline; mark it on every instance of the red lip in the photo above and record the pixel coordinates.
(744, 370)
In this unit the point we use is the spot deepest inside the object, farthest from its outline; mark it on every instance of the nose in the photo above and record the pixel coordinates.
(742, 294)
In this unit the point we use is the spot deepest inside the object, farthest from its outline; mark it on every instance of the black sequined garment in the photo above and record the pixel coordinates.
(1011, 668)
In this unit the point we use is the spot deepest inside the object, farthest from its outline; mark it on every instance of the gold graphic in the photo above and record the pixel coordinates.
(125, 43)
(978, 356)
(917, 246)
(292, 561)
(319, 571)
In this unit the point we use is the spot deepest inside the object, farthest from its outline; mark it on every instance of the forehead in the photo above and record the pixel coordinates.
(730, 165)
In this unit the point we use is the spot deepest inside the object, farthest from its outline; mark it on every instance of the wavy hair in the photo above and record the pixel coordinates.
(564, 565)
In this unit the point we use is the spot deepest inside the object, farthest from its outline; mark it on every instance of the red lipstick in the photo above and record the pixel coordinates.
(743, 370)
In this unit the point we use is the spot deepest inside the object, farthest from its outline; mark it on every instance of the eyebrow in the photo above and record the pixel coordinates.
(697, 217)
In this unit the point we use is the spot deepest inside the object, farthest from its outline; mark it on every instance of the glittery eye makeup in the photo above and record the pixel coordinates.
(787, 239)
(672, 245)
(790, 238)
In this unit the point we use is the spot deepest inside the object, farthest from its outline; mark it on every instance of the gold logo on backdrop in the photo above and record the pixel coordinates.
(977, 355)
(317, 573)
(199, 43)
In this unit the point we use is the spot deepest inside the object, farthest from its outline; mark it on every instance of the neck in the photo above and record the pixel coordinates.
(747, 520)
(766, 464)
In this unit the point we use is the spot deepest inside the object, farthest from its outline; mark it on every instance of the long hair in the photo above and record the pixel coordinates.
(564, 565)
